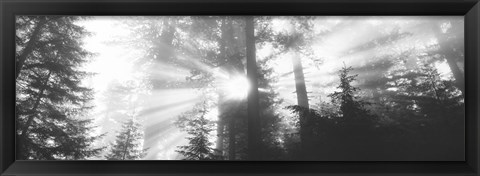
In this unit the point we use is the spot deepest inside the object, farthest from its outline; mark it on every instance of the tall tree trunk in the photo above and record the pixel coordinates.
(227, 42)
(231, 139)
(451, 56)
(221, 98)
(30, 46)
(236, 67)
(220, 128)
(301, 91)
(254, 150)
(302, 101)
(300, 87)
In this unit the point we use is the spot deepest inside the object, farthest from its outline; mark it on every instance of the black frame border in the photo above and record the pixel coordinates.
(470, 9)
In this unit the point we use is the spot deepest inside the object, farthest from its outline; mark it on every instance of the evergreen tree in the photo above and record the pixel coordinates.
(51, 102)
(269, 123)
(437, 110)
(416, 106)
(352, 109)
(128, 144)
(355, 135)
(199, 129)
(74, 142)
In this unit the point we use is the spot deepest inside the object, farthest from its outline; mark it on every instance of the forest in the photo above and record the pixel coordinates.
(268, 88)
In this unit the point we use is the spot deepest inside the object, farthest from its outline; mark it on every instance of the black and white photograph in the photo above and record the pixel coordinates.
(268, 88)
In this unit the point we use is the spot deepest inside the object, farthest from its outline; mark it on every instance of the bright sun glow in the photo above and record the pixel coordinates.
(237, 88)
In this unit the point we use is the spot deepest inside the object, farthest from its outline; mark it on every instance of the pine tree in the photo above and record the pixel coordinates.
(199, 129)
(77, 145)
(355, 136)
(439, 103)
(51, 103)
(128, 144)
(351, 107)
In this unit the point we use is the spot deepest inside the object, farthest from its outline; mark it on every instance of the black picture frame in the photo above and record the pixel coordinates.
(9, 8)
